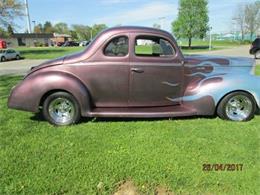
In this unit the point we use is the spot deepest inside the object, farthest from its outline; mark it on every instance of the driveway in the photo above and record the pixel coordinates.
(18, 67)
(22, 66)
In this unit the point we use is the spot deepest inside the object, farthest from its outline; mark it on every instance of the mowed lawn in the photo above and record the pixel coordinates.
(47, 52)
(94, 156)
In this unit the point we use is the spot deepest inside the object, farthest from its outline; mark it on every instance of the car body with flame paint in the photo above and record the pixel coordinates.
(138, 72)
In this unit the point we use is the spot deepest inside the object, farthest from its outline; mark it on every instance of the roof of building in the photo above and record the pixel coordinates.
(33, 35)
(61, 35)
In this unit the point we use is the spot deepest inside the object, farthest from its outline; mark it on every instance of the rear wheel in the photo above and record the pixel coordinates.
(257, 54)
(237, 106)
(18, 57)
(61, 108)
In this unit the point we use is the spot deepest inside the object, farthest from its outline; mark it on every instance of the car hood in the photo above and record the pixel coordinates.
(222, 64)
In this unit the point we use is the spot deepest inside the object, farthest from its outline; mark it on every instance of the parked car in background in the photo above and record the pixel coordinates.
(9, 54)
(70, 44)
(59, 44)
(84, 43)
(255, 48)
(139, 72)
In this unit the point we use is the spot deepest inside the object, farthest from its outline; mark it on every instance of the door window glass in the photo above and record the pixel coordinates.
(117, 47)
(153, 46)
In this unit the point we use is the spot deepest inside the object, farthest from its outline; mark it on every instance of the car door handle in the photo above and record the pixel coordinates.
(137, 70)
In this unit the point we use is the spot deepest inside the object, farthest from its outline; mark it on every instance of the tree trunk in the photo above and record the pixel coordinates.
(190, 42)
(251, 35)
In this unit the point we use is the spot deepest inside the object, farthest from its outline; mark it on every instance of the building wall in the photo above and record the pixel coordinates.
(28, 42)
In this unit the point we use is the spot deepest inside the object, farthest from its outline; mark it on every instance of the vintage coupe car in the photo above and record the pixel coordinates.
(138, 72)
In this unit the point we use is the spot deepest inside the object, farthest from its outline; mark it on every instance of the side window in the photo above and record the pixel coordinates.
(153, 46)
(117, 47)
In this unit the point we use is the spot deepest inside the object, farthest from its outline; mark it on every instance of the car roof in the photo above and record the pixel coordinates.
(139, 29)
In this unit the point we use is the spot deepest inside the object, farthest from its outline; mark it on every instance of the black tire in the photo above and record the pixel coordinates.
(3, 59)
(222, 110)
(49, 111)
(18, 57)
(257, 54)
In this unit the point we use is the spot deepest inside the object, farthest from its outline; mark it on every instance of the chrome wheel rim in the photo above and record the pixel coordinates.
(61, 110)
(239, 108)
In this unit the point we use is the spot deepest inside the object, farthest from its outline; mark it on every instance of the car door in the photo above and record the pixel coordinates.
(11, 54)
(155, 72)
(106, 73)
(8, 54)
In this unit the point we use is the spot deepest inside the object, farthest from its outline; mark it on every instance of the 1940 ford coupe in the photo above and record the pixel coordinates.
(138, 72)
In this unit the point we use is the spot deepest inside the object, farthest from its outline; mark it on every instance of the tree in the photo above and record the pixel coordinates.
(61, 28)
(86, 32)
(192, 20)
(83, 32)
(38, 28)
(156, 25)
(252, 17)
(9, 9)
(73, 35)
(47, 27)
(97, 28)
(240, 18)
(247, 17)
(3, 33)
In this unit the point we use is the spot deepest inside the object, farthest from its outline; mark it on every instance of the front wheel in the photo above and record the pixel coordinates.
(237, 106)
(61, 109)
(17, 57)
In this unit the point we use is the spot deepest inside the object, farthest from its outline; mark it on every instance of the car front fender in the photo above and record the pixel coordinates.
(215, 88)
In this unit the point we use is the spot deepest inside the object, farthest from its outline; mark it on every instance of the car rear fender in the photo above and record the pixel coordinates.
(30, 93)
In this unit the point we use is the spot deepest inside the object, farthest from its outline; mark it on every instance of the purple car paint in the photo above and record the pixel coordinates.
(138, 72)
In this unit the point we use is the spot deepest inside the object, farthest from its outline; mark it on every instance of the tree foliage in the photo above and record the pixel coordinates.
(192, 20)
(252, 17)
(61, 28)
(87, 32)
(247, 18)
(48, 28)
(9, 9)
(10, 30)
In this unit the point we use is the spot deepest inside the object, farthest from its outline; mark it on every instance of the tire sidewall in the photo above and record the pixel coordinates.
(56, 95)
(221, 110)
(257, 54)
(3, 59)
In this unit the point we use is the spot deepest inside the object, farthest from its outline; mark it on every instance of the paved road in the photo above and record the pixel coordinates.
(22, 66)
(18, 67)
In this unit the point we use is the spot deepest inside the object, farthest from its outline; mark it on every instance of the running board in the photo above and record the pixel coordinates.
(150, 112)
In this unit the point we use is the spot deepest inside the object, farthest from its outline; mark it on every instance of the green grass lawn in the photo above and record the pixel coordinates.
(38, 158)
(47, 52)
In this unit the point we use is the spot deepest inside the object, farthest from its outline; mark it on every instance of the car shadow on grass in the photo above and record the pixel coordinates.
(39, 118)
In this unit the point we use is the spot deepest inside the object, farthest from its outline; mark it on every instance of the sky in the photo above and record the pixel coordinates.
(125, 12)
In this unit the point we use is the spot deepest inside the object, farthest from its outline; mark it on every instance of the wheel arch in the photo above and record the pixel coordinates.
(239, 90)
(68, 83)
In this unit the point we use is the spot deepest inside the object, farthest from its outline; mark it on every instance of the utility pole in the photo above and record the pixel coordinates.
(210, 38)
(27, 16)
